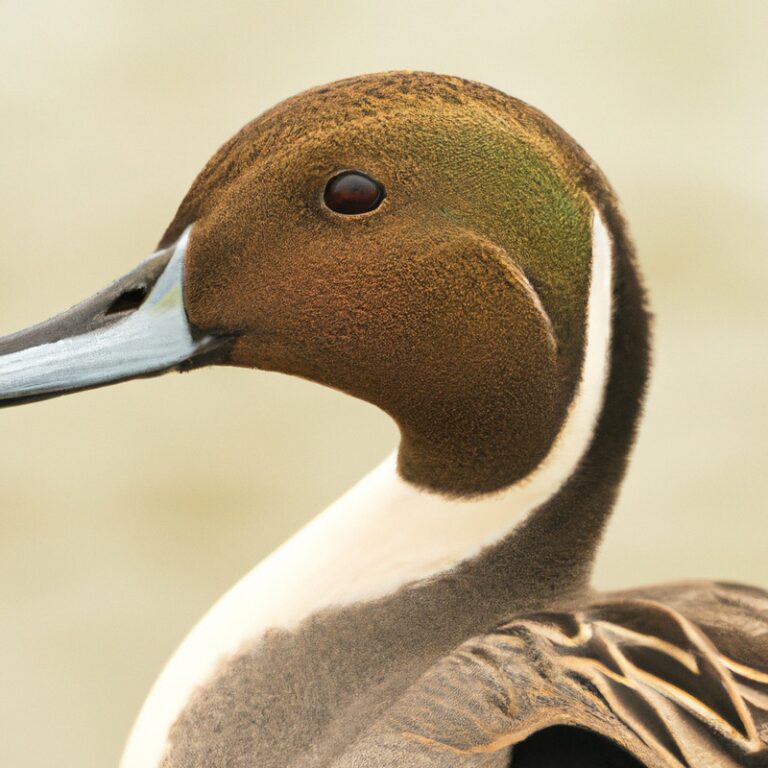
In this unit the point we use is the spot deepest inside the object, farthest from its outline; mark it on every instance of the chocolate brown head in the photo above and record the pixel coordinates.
(457, 303)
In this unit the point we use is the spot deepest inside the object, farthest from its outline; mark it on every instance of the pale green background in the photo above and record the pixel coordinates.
(125, 512)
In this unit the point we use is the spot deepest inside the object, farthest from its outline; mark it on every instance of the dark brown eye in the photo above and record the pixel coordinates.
(353, 192)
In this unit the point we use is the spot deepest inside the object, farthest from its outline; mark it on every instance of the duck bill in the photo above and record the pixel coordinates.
(134, 328)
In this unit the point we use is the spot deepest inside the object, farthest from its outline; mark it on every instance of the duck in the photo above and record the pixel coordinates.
(449, 254)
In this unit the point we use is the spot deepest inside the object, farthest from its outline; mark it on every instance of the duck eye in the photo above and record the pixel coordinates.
(353, 192)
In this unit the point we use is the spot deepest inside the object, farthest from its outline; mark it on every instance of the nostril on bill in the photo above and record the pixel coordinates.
(128, 301)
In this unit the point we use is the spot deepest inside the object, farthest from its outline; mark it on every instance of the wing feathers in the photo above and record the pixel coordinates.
(675, 676)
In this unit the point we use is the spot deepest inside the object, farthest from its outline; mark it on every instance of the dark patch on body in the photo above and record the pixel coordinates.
(562, 745)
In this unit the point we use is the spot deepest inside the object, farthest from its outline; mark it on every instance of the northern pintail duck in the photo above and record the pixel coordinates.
(449, 254)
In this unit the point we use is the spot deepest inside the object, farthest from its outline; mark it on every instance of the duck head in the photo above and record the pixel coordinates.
(419, 241)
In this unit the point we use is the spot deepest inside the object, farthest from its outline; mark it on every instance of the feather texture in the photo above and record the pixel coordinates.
(669, 676)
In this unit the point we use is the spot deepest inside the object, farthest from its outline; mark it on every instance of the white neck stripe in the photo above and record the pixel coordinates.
(379, 536)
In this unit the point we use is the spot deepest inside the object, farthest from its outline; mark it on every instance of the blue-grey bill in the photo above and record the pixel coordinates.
(99, 347)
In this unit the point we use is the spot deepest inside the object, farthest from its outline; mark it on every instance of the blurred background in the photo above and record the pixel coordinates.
(125, 512)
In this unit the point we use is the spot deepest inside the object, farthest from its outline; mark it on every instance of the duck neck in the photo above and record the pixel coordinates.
(556, 546)
(401, 555)
(545, 528)
(522, 544)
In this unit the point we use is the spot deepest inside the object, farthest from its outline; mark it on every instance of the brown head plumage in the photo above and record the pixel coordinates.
(457, 305)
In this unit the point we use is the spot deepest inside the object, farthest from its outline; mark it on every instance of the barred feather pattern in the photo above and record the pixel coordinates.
(675, 676)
